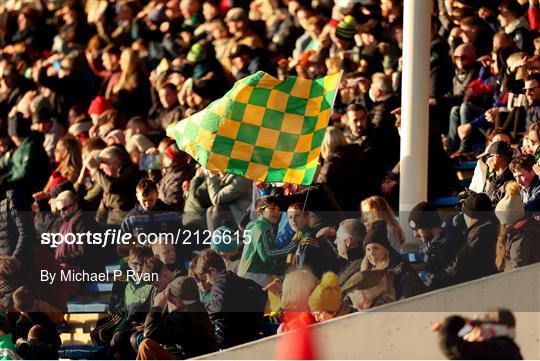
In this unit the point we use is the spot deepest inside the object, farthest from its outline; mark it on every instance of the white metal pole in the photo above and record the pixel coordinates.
(414, 107)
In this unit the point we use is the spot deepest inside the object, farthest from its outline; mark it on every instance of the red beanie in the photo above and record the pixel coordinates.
(99, 105)
(175, 154)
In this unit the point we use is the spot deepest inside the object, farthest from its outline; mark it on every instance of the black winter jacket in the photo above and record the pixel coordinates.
(475, 259)
(186, 332)
(236, 309)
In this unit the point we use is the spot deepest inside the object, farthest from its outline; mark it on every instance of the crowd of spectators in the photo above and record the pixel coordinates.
(88, 88)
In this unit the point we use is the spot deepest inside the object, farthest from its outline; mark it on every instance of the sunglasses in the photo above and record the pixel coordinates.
(460, 57)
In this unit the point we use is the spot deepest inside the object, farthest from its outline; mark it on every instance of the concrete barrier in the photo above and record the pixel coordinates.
(402, 330)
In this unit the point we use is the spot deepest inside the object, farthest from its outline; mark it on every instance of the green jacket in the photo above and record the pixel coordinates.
(261, 255)
(28, 166)
(7, 348)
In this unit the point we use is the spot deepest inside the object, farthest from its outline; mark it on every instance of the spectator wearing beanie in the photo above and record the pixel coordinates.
(476, 257)
(517, 243)
(343, 40)
(326, 300)
(441, 239)
(97, 107)
(177, 326)
(380, 255)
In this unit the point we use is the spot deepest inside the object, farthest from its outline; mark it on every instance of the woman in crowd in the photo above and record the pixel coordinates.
(131, 93)
(380, 255)
(341, 170)
(376, 208)
(298, 286)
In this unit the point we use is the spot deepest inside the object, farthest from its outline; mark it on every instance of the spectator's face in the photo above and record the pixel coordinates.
(271, 213)
(125, 14)
(188, 8)
(296, 220)
(136, 264)
(532, 91)
(211, 276)
(484, 12)
(238, 62)
(302, 16)
(165, 252)
(505, 18)
(236, 27)
(69, 16)
(209, 11)
(534, 141)
(60, 152)
(525, 146)
(462, 61)
(376, 253)
(194, 100)
(65, 207)
(111, 62)
(357, 121)
(165, 277)
(341, 242)
(147, 201)
(469, 34)
(168, 97)
(524, 177)
(425, 235)
(22, 21)
(109, 166)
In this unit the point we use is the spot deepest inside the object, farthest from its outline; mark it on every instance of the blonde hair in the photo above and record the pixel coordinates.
(333, 139)
(297, 287)
(130, 64)
(366, 265)
(376, 208)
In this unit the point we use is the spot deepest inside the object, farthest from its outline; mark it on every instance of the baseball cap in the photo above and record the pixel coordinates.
(497, 148)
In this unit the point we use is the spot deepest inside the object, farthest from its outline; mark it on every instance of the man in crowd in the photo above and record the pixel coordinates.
(522, 168)
(237, 303)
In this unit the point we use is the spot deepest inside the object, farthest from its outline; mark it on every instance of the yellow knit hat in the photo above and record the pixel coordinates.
(327, 295)
(510, 209)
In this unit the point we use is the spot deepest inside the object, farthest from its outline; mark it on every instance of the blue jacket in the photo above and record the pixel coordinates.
(531, 196)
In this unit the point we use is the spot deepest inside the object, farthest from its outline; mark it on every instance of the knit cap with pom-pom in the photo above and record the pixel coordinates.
(510, 209)
(327, 295)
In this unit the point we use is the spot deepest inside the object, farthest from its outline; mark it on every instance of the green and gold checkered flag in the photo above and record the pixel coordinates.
(262, 129)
